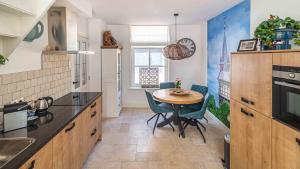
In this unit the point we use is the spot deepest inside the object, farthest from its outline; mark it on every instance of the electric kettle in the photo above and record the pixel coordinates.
(42, 104)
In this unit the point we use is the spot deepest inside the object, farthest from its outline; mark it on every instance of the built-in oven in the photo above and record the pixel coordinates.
(286, 95)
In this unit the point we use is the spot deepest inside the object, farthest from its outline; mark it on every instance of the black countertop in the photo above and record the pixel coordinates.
(64, 110)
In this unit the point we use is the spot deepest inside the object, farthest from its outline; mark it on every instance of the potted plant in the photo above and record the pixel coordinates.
(178, 83)
(3, 60)
(277, 29)
(265, 32)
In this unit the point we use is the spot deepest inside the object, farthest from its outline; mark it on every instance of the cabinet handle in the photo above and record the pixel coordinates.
(92, 106)
(32, 164)
(247, 113)
(298, 141)
(74, 97)
(247, 101)
(75, 82)
(94, 132)
(94, 114)
(69, 129)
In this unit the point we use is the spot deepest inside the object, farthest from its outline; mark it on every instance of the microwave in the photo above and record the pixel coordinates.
(286, 95)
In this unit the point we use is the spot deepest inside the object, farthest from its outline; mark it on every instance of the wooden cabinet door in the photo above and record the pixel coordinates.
(66, 154)
(41, 160)
(99, 118)
(85, 135)
(238, 136)
(258, 140)
(251, 81)
(285, 147)
(250, 138)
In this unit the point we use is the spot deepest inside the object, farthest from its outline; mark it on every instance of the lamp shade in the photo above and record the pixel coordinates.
(176, 52)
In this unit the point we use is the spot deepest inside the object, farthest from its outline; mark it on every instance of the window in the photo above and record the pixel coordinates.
(149, 66)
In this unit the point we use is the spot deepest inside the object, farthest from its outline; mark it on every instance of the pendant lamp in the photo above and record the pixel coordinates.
(176, 51)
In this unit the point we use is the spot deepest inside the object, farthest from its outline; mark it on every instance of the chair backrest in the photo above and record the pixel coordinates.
(151, 101)
(205, 105)
(166, 85)
(201, 89)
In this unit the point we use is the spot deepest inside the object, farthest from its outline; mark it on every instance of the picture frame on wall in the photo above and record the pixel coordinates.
(247, 45)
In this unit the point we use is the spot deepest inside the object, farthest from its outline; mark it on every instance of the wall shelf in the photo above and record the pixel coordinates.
(4, 35)
(14, 10)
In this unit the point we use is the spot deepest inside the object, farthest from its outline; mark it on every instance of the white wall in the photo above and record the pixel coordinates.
(192, 70)
(261, 10)
(96, 27)
(27, 56)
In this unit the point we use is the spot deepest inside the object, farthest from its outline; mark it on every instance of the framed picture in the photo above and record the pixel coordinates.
(247, 45)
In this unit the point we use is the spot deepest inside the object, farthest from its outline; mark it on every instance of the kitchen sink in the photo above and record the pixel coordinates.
(11, 147)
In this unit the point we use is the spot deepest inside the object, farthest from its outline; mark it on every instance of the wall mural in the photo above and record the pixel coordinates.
(224, 33)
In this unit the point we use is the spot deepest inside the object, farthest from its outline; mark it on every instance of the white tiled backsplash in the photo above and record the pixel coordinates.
(54, 79)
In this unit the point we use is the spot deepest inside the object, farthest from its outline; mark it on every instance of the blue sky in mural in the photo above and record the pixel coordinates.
(237, 21)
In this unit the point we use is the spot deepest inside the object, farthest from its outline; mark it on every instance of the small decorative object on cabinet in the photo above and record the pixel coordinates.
(247, 45)
(108, 40)
(111, 81)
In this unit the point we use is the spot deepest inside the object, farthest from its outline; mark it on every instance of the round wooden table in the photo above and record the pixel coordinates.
(165, 96)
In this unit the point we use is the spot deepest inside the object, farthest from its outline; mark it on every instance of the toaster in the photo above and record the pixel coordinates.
(14, 116)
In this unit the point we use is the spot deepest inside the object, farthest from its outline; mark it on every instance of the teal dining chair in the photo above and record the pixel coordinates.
(192, 117)
(166, 85)
(159, 110)
(201, 89)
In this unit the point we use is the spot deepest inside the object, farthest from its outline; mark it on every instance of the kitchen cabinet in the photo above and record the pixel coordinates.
(66, 146)
(285, 147)
(251, 81)
(69, 149)
(41, 160)
(250, 138)
(74, 143)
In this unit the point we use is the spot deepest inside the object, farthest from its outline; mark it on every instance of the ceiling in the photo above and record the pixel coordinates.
(157, 12)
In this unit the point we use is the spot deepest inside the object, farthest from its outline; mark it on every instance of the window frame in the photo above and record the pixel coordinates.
(134, 45)
(132, 65)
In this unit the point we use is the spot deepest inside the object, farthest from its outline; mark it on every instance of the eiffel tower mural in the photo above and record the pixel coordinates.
(224, 74)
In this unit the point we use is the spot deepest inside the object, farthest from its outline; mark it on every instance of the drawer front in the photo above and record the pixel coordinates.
(42, 159)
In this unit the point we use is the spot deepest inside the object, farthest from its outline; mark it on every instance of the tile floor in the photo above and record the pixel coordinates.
(128, 143)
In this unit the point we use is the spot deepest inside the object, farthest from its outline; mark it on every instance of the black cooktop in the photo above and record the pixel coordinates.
(76, 99)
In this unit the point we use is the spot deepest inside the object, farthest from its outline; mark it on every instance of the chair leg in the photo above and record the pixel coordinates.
(165, 118)
(181, 129)
(205, 119)
(186, 123)
(201, 125)
(201, 133)
(151, 118)
(155, 123)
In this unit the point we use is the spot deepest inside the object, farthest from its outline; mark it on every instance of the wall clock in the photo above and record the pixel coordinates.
(190, 44)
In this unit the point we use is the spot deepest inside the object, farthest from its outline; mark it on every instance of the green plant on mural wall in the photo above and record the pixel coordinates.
(221, 112)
